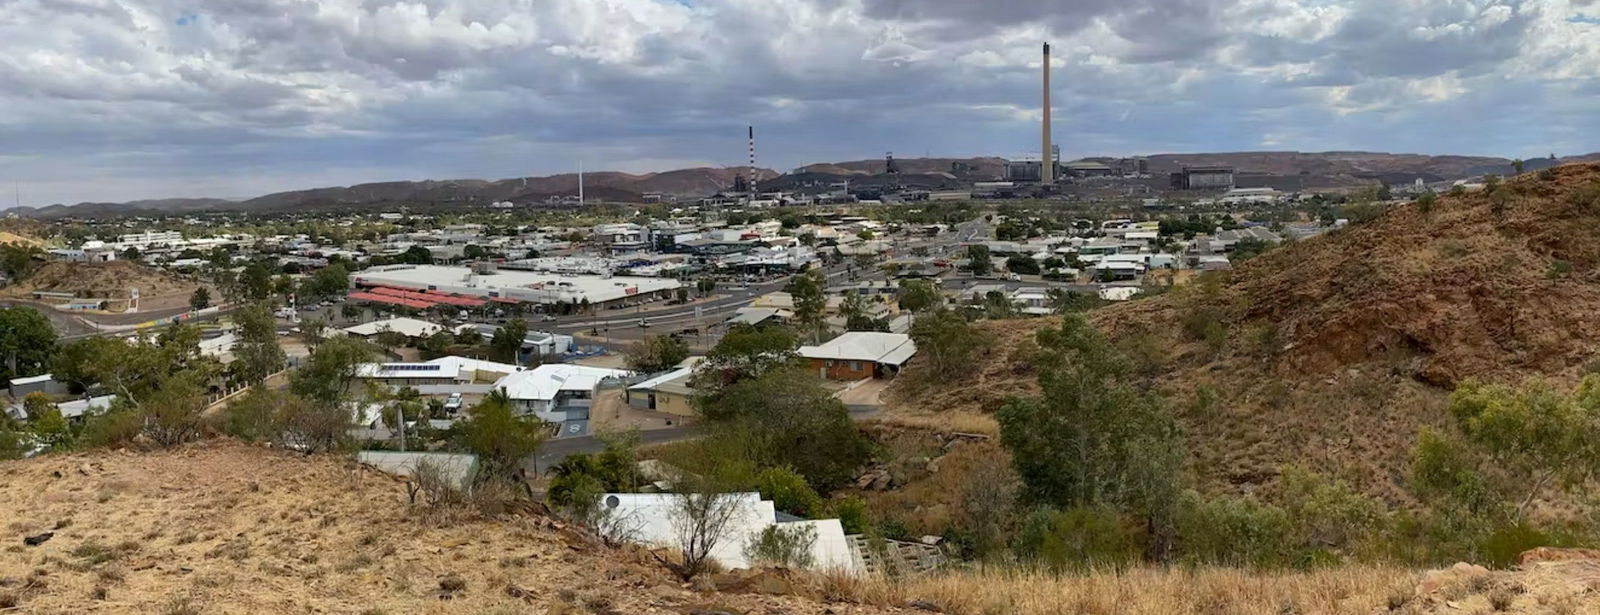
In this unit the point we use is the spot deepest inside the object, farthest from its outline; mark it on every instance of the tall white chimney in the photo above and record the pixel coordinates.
(1047, 167)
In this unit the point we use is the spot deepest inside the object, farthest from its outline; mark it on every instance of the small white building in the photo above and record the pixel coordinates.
(443, 370)
(655, 519)
(556, 392)
(409, 327)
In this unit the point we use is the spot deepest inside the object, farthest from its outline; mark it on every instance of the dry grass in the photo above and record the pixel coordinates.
(1344, 591)
(239, 529)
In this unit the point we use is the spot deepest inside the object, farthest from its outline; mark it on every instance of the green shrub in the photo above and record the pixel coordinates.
(1233, 532)
(1558, 269)
(1501, 548)
(1586, 198)
(852, 514)
(1426, 201)
(788, 491)
(1080, 538)
(1329, 513)
(114, 428)
(785, 545)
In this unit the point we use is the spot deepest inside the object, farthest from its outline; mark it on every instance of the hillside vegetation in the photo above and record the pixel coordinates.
(1333, 352)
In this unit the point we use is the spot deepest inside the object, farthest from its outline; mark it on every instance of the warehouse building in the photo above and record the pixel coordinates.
(502, 286)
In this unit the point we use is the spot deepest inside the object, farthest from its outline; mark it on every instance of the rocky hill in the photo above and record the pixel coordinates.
(1332, 352)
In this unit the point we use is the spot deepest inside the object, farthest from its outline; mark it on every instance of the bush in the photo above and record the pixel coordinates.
(1326, 513)
(784, 545)
(1426, 201)
(1501, 548)
(499, 438)
(1232, 532)
(118, 426)
(852, 514)
(1204, 323)
(788, 491)
(1558, 269)
(173, 415)
(1080, 538)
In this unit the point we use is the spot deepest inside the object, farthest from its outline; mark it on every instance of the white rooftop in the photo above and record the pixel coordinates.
(457, 368)
(521, 285)
(544, 381)
(886, 348)
(410, 327)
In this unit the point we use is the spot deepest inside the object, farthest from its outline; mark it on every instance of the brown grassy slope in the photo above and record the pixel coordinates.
(62, 276)
(1372, 324)
(236, 529)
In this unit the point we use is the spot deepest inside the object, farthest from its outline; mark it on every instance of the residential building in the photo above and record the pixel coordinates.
(443, 370)
(556, 392)
(855, 355)
(668, 392)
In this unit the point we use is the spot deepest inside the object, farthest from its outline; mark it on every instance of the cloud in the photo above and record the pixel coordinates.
(126, 99)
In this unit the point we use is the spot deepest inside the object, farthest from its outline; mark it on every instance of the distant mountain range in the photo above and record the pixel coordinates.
(1323, 169)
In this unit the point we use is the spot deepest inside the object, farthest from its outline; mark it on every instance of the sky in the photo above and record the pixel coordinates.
(116, 100)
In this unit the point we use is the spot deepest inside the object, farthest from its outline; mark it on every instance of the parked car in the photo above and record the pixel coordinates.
(454, 403)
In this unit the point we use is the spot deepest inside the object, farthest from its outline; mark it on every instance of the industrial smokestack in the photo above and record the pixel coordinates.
(1047, 167)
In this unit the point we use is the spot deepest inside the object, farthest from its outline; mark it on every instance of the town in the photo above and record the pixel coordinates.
(800, 307)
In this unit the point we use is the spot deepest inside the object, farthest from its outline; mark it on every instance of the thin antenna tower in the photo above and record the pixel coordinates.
(752, 185)
(580, 182)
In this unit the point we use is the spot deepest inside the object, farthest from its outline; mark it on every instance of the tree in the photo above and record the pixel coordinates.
(810, 300)
(326, 282)
(856, 318)
(981, 263)
(1517, 444)
(1023, 265)
(201, 299)
(26, 342)
(744, 352)
(131, 254)
(46, 423)
(656, 353)
(257, 353)
(436, 345)
(785, 417)
(1066, 301)
(416, 255)
(1091, 439)
(255, 282)
(172, 415)
(946, 345)
(349, 311)
(18, 260)
(919, 295)
(329, 373)
(506, 346)
(499, 438)
(701, 514)
(314, 330)
(1517, 165)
